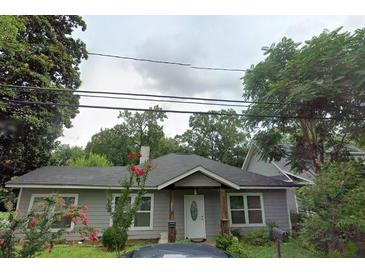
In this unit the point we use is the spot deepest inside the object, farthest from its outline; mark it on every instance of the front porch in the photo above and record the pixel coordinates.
(198, 207)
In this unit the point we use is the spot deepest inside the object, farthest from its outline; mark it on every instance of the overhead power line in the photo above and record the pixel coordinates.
(23, 102)
(187, 65)
(19, 88)
(163, 101)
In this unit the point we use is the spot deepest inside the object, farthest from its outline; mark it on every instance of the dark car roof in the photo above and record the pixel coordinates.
(164, 168)
(187, 250)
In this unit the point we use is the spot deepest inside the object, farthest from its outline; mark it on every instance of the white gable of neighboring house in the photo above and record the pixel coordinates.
(282, 170)
(254, 164)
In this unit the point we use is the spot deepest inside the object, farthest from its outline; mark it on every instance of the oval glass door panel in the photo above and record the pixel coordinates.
(194, 210)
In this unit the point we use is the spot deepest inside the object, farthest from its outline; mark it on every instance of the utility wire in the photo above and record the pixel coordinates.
(22, 102)
(139, 95)
(163, 101)
(166, 62)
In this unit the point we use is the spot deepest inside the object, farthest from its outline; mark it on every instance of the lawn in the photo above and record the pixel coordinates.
(288, 250)
(88, 250)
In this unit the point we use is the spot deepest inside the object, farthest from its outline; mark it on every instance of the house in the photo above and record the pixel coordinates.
(282, 170)
(203, 196)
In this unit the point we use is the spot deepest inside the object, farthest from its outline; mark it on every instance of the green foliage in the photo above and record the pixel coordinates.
(257, 237)
(91, 160)
(270, 225)
(322, 78)
(63, 155)
(36, 51)
(36, 227)
(219, 137)
(139, 129)
(224, 241)
(115, 143)
(236, 233)
(237, 250)
(144, 128)
(124, 209)
(334, 206)
(114, 238)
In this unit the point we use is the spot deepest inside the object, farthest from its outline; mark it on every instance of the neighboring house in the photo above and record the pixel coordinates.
(203, 196)
(282, 170)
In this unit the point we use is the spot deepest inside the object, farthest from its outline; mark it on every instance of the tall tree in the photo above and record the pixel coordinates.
(219, 137)
(115, 143)
(136, 130)
(324, 78)
(91, 160)
(144, 127)
(38, 51)
(63, 155)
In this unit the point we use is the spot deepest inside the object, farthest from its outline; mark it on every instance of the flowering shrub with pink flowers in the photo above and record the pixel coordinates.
(38, 230)
(124, 210)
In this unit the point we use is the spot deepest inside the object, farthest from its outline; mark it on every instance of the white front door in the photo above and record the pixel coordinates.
(194, 217)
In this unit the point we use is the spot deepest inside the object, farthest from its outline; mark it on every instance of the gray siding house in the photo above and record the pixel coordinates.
(282, 170)
(203, 196)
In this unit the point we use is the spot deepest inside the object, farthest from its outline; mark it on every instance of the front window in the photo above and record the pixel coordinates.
(143, 217)
(246, 209)
(38, 202)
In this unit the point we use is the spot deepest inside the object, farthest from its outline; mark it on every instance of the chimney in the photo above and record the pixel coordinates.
(145, 154)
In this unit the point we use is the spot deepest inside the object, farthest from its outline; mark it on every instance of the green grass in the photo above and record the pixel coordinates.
(77, 251)
(288, 250)
(4, 215)
(88, 250)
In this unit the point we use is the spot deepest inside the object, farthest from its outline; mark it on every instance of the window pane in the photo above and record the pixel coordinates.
(64, 223)
(145, 203)
(236, 202)
(142, 219)
(38, 204)
(253, 202)
(68, 202)
(255, 216)
(117, 200)
(238, 217)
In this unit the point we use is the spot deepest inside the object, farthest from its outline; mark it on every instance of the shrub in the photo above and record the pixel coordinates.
(334, 206)
(237, 250)
(270, 225)
(114, 239)
(224, 241)
(36, 227)
(236, 233)
(258, 237)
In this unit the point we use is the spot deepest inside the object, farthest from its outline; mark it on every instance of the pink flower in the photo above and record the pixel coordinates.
(133, 167)
(134, 155)
(139, 171)
(85, 221)
(74, 221)
(94, 235)
(73, 206)
(2, 241)
(33, 222)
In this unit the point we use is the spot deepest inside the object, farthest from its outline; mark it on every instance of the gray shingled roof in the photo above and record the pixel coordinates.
(164, 169)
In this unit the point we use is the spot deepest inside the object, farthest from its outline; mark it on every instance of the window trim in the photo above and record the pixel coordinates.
(38, 195)
(246, 209)
(133, 195)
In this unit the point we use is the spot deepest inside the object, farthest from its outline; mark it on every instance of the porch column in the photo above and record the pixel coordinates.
(224, 211)
(172, 223)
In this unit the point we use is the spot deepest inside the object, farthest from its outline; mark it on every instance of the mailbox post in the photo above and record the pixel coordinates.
(171, 231)
(279, 236)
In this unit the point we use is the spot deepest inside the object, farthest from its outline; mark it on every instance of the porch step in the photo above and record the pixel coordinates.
(163, 238)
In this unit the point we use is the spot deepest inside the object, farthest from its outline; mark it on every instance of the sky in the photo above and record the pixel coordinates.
(214, 41)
